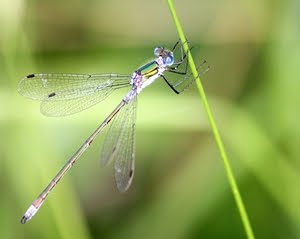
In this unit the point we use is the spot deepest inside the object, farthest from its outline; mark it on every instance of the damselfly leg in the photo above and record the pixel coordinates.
(185, 78)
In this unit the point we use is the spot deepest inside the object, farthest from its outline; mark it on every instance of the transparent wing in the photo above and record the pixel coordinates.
(72, 106)
(65, 94)
(112, 139)
(68, 86)
(120, 145)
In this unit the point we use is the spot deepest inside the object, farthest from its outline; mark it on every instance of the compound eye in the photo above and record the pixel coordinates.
(158, 51)
(169, 60)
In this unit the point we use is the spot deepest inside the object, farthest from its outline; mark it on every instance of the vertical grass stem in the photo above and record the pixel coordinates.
(230, 175)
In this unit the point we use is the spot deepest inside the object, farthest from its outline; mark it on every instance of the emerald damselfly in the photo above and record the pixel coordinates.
(65, 94)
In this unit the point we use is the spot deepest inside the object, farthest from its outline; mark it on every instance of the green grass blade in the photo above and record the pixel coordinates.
(231, 178)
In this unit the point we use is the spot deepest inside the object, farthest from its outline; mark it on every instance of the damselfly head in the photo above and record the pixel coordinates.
(167, 56)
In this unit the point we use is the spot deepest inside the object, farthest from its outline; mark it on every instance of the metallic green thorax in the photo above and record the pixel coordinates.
(148, 69)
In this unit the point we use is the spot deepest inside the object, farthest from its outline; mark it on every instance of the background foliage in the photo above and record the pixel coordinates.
(180, 188)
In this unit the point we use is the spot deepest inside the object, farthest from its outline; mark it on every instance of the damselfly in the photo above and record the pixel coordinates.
(65, 94)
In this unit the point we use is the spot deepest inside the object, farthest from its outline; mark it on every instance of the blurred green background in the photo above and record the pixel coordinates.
(180, 189)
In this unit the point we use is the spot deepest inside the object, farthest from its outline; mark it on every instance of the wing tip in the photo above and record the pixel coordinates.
(23, 85)
(122, 185)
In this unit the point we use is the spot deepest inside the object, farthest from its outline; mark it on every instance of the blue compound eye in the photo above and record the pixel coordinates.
(158, 51)
(169, 60)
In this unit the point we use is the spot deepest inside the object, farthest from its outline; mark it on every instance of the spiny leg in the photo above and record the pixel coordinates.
(183, 55)
(175, 66)
(185, 82)
(170, 85)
